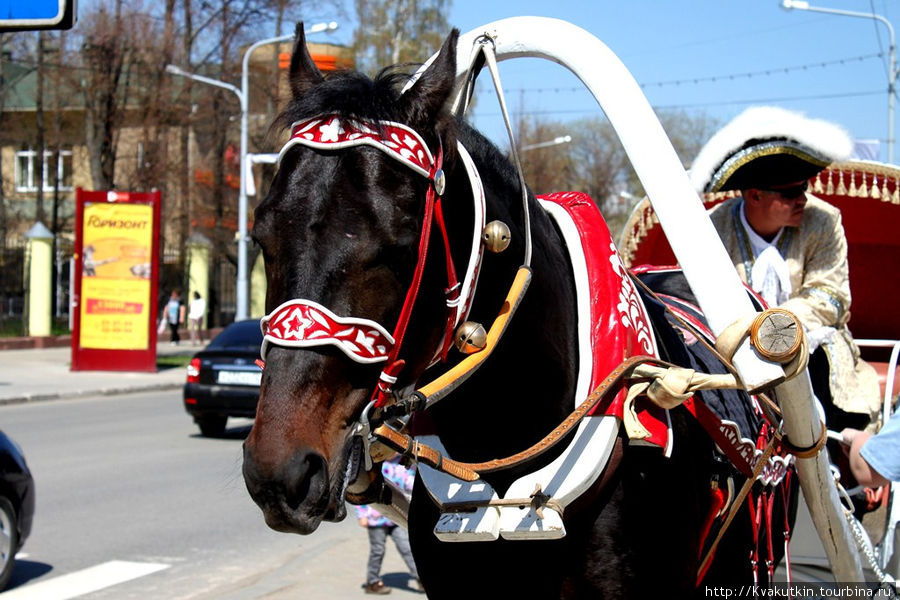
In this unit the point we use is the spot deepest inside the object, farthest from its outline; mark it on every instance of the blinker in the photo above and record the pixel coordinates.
(470, 337)
(496, 236)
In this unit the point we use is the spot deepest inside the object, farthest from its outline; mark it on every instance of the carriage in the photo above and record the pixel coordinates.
(556, 435)
(868, 196)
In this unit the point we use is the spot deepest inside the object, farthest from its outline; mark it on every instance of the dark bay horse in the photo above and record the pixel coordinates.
(341, 228)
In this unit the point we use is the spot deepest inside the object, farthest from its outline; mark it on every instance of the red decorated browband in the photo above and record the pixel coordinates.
(304, 323)
(331, 132)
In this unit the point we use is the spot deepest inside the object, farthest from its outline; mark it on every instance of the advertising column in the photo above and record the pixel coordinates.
(116, 260)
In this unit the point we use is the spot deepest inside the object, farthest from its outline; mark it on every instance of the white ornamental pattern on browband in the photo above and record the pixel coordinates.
(304, 323)
(330, 132)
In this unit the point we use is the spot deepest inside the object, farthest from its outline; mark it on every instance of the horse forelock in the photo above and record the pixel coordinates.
(355, 96)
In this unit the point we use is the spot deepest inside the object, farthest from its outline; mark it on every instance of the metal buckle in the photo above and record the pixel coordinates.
(364, 431)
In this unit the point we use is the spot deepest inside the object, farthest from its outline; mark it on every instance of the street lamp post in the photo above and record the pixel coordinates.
(242, 286)
(892, 71)
(242, 295)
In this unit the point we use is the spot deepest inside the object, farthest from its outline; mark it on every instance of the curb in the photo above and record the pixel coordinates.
(65, 340)
(107, 391)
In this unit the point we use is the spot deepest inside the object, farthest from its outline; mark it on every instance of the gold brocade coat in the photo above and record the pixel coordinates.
(816, 255)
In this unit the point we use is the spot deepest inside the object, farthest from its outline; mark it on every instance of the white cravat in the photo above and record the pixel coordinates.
(770, 274)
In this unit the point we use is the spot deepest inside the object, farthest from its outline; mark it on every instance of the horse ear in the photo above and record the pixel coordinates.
(304, 73)
(424, 100)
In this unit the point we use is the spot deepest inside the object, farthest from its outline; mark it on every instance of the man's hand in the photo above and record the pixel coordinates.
(862, 471)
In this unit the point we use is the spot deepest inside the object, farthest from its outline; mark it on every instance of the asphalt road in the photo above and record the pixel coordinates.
(129, 479)
(126, 484)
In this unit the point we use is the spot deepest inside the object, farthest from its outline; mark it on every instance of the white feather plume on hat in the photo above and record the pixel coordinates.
(768, 145)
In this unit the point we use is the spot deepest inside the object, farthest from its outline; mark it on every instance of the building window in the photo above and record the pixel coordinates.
(57, 167)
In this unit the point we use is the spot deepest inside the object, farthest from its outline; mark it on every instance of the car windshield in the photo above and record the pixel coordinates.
(244, 334)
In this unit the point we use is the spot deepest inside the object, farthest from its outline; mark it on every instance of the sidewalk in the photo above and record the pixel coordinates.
(336, 570)
(43, 374)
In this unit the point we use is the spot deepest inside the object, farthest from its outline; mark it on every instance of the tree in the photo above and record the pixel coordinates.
(398, 31)
(547, 167)
(103, 54)
(595, 162)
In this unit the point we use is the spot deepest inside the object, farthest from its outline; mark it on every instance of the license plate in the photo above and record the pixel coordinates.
(239, 377)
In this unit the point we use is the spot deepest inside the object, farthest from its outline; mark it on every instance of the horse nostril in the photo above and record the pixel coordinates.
(305, 478)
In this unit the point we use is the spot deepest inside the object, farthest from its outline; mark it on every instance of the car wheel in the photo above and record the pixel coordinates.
(213, 426)
(9, 540)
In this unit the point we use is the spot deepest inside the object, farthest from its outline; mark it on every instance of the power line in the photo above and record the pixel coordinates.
(742, 101)
(765, 72)
(714, 78)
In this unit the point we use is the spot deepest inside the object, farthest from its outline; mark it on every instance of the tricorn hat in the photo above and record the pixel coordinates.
(767, 146)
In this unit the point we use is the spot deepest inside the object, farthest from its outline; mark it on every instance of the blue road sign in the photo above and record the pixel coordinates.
(36, 14)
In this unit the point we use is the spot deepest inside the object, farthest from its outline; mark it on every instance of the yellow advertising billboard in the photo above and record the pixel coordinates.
(116, 259)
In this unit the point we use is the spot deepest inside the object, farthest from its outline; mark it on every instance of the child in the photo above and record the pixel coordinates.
(379, 528)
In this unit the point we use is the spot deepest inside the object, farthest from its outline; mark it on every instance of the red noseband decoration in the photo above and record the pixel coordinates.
(304, 323)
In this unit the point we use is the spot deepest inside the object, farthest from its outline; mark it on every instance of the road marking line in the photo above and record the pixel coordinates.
(85, 581)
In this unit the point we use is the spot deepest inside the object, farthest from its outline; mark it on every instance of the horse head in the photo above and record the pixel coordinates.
(340, 229)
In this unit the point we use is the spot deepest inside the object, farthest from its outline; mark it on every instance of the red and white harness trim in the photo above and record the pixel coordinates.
(332, 132)
(305, 323)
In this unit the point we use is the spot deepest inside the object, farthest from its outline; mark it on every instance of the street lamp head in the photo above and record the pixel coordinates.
(174, 70)
(791, 4)
(321, 27)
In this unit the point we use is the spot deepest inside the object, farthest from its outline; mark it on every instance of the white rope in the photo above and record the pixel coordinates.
(862, 540)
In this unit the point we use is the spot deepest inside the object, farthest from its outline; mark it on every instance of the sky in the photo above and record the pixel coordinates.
(712, 56)
(709, 57)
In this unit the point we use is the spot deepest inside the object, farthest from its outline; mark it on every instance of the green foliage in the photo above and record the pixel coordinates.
(172, 361)
(12, 327)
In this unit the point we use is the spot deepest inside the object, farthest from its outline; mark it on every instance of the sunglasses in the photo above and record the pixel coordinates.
(793, 191)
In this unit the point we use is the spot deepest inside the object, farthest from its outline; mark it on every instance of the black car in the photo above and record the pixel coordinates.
(16, 505)
(223, 378)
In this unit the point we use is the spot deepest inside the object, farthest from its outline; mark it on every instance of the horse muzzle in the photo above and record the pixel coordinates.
(296, 496)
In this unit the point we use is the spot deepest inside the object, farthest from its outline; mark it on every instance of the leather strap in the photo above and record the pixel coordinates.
(422, 453)
(736, 505)
(472, 471)
(809, 451)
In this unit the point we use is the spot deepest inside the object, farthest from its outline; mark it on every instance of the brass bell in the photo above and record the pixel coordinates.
(470, 337)
(496, 236)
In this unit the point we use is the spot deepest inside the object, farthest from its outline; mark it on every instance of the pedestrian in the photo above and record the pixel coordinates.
(789, 245)
(196, 312)
(379, 528)
(174, 315)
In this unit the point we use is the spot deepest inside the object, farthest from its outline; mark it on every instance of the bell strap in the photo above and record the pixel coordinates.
(439, 388)
(472, 471)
